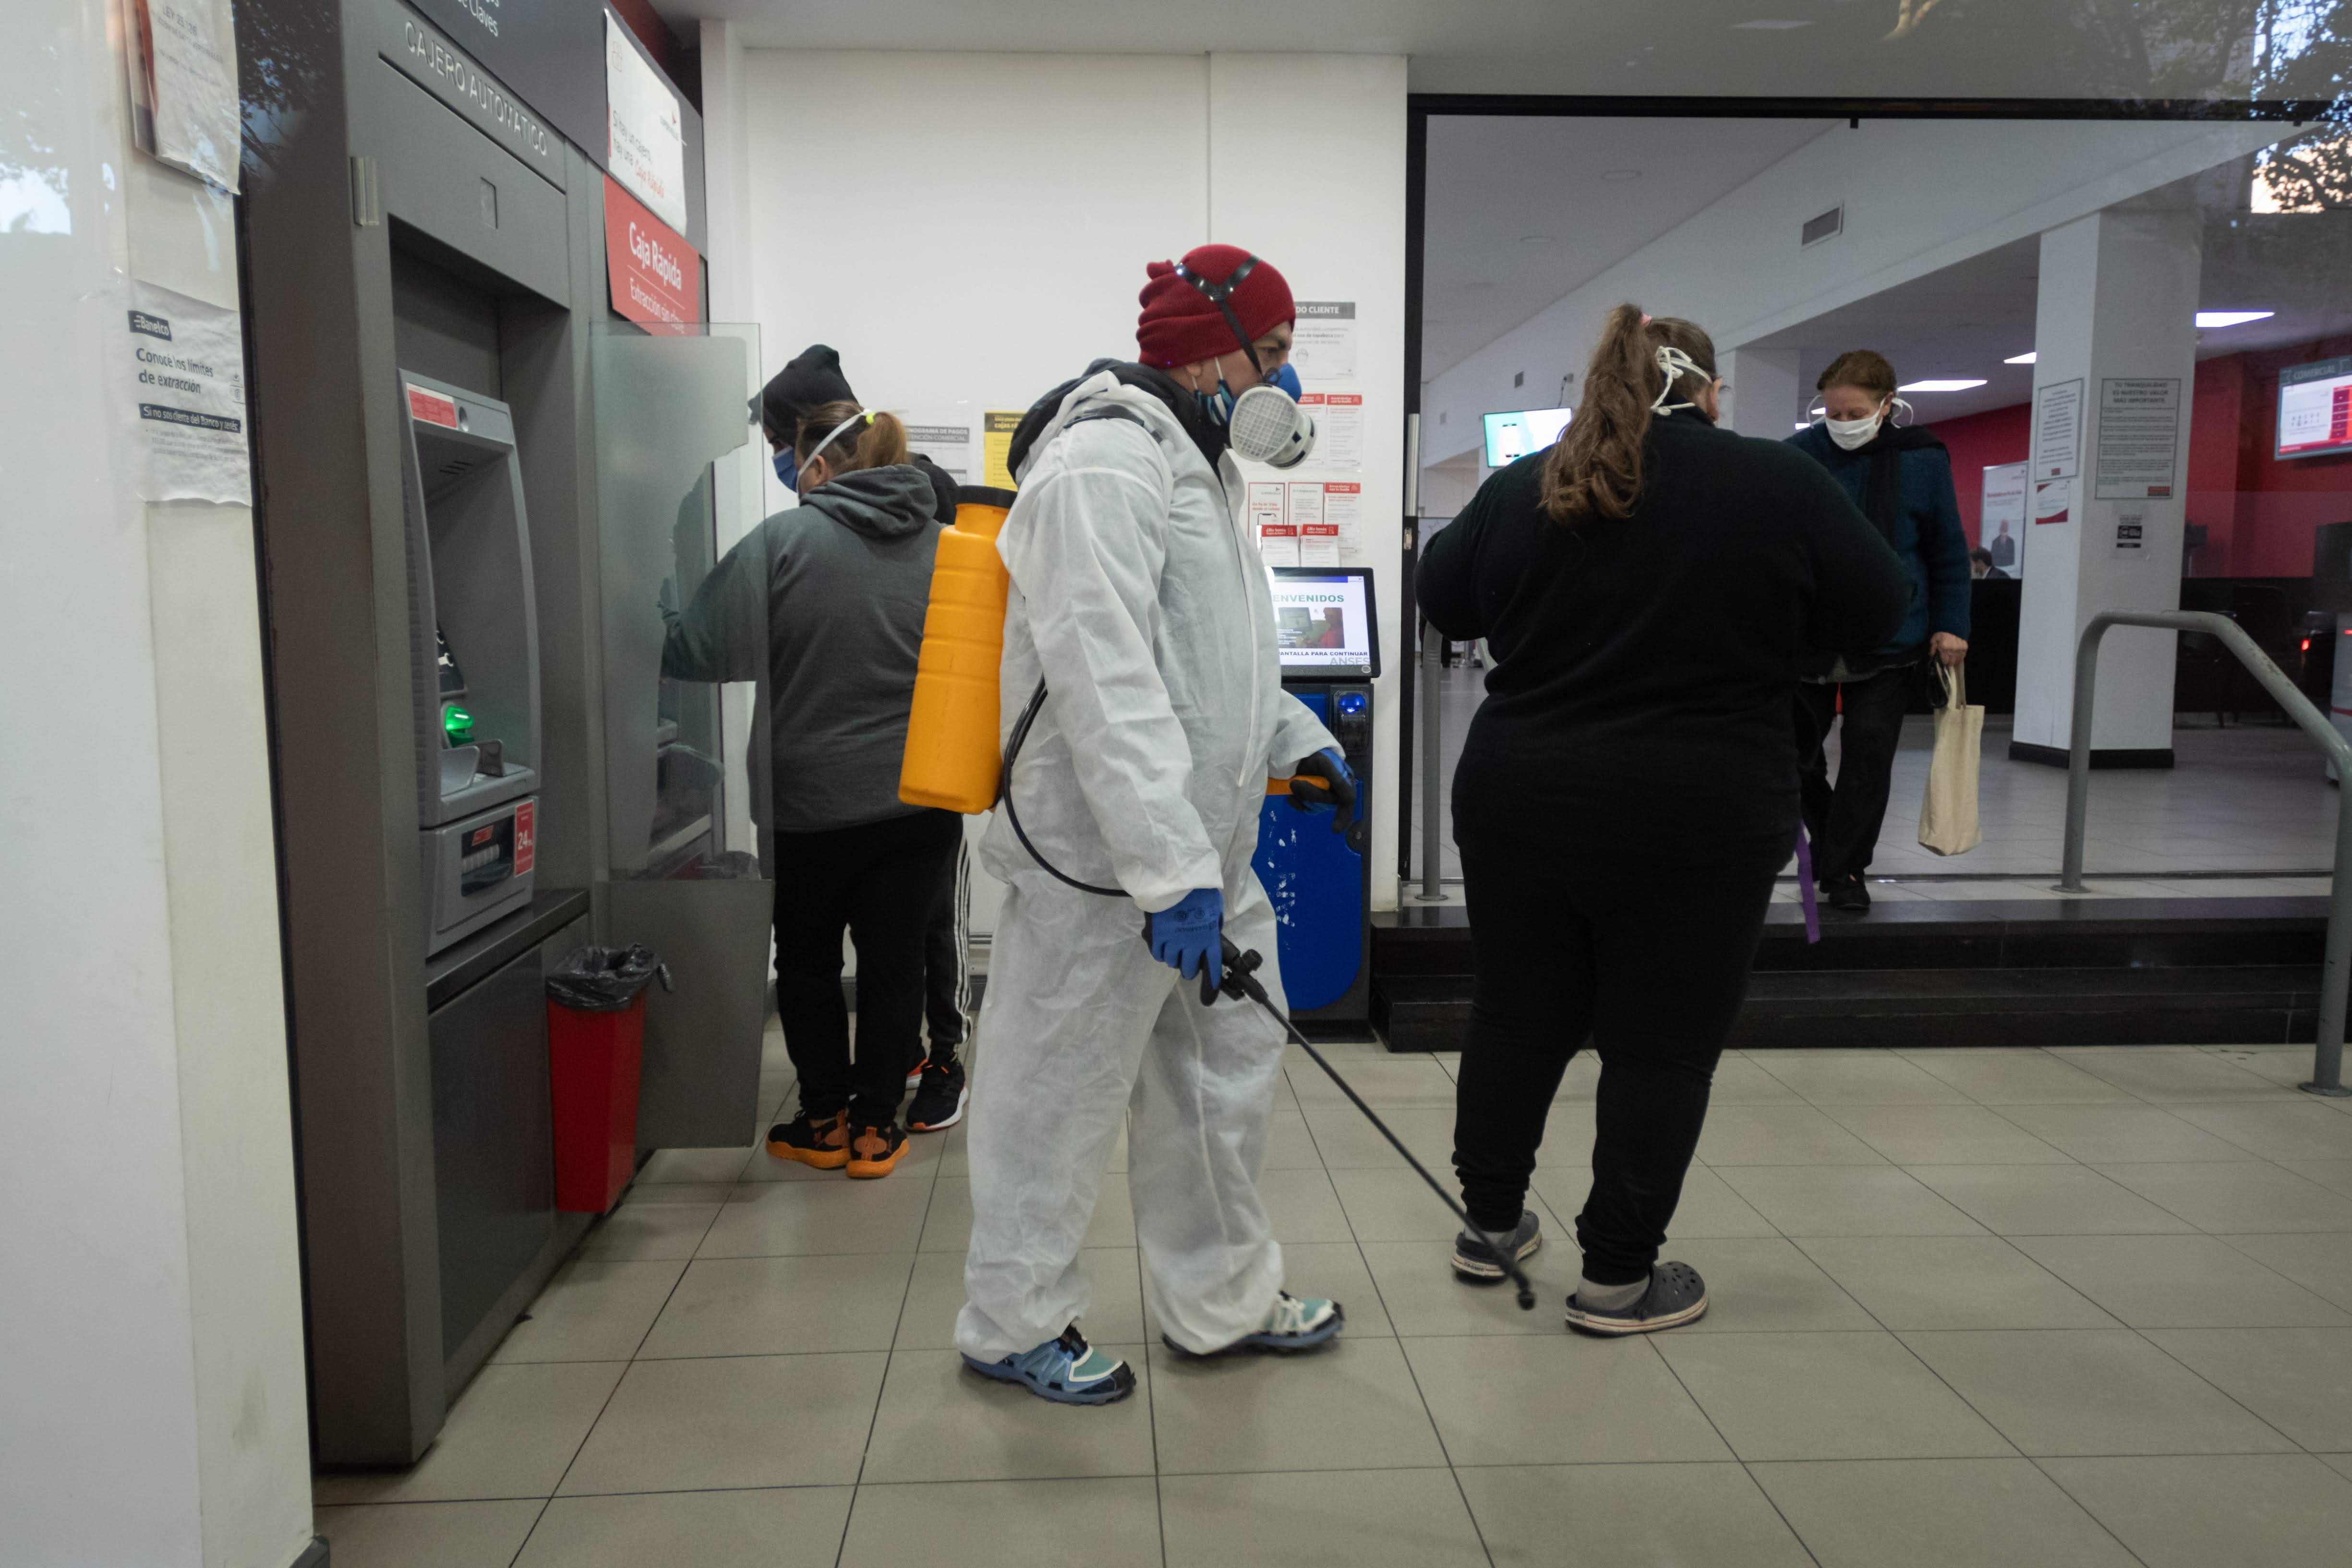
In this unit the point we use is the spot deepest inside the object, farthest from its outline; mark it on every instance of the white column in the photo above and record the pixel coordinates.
(150, 1322)
(2115, 332)
(1764, 398)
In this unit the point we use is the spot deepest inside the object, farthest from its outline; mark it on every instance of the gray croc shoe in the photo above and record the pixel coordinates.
(1476, 1262)
(1675, 1296)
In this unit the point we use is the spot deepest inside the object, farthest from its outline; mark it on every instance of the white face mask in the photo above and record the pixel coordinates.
(1853, 434)
(1850, 434)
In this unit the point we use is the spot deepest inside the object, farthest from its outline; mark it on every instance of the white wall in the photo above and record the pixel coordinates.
(975, 227)
(151, 1332)
(1920, 195)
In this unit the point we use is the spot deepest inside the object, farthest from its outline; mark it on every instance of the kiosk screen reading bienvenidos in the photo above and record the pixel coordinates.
(1326, 623)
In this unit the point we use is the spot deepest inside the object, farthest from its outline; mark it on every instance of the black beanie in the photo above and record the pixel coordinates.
(811, 377)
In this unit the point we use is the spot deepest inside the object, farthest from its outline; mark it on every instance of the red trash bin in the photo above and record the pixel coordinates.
(595, 1045)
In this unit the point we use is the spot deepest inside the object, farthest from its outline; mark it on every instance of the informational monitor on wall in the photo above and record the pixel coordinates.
(1323, 621)
(2315, 411)
(1512, 435)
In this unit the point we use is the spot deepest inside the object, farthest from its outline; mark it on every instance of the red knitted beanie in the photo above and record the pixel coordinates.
(1180, 325)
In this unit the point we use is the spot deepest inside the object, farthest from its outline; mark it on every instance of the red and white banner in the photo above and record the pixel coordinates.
(656, 277)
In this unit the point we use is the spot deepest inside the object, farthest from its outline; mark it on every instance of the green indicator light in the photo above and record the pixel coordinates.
(458, 724)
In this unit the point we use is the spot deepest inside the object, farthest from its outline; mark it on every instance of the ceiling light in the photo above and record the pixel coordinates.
(1802, 424)
(2029, 357)
(1615, 175)
(1955, 384)
(2231, 318)
(1764, 26)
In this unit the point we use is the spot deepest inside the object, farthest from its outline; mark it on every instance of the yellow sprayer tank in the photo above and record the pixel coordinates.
(951, 733)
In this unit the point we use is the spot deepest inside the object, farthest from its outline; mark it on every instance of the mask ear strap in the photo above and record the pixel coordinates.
(1219, 294)
(1675, 364)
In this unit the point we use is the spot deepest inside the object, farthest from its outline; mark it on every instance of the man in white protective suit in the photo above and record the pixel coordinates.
(1140, 607)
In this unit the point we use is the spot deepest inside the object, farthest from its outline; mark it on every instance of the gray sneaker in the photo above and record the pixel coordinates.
(1476, 1262)
(1676, 1295)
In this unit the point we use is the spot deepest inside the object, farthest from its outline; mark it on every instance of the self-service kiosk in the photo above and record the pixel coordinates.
(1320, 881)
(474, 658)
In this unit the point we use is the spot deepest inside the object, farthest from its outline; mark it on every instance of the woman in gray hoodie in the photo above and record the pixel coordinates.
(824, 605)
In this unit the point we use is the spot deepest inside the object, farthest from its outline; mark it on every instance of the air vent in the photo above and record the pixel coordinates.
(456, 466)
(1829, 226)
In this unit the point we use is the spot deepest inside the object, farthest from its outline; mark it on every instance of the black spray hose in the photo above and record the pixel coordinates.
(1242, 984)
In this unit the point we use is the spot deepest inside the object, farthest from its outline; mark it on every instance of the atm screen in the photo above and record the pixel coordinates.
(1323, 621)
(1510, 436)
(2315, 415)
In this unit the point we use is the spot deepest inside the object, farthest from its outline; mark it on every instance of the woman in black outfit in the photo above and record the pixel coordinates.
(1628, 791)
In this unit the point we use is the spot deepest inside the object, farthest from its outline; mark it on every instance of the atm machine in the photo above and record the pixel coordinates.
(1319, 882)
(477, 712)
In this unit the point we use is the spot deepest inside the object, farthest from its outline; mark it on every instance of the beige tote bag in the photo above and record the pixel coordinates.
(1948, 816)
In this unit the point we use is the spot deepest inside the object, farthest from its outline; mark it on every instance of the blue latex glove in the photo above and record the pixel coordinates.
(1185, 936)
(1334, 786)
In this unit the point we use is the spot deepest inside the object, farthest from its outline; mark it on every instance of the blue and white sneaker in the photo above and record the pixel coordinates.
(1067, 1371)
(1292, 1324)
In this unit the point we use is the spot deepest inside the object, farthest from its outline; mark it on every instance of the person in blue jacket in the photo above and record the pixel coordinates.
(1901, 477)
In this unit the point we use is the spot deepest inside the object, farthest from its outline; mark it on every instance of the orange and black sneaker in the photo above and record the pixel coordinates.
(823, 1144)
(875, 1150)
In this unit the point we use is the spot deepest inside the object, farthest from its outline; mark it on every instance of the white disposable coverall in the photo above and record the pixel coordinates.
(1140, 599)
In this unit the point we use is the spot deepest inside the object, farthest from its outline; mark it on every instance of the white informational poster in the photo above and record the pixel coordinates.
(2139, 437)
(2000, 524)
(948, 435)
(1269, 512)
(1338, 428)
(183, 377)
(2058, 430)
(647, 152)
(1323, 341)
(2054, 501)
(1343, 510)
(1318, 540)
(184, 91)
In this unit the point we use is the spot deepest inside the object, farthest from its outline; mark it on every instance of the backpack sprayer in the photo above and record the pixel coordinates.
(952, 762)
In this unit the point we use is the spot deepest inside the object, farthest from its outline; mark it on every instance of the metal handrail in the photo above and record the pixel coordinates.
(2328, 1056)
(1432, 829)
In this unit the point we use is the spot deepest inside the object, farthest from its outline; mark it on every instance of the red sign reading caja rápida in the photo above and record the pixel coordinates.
(656, 277)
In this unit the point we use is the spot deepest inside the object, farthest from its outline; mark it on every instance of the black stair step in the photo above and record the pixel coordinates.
(2242, 1005)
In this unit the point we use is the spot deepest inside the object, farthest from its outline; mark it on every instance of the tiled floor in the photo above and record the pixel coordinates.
(2250, 800)
(1999, 1307)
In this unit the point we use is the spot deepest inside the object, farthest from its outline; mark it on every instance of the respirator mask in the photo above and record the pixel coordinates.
(1266, 423)
(1853, 434)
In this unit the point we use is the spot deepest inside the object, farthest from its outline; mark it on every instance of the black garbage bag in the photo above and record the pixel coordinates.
(606, 979)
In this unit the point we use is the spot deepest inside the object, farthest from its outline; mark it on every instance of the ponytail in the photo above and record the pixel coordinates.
(1595, 468)
(877, 441)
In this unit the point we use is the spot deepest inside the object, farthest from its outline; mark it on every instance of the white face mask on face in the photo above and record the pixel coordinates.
(1850, 434)
(1853, 434)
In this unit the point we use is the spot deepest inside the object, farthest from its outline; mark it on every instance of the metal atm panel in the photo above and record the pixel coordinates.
(474, 656)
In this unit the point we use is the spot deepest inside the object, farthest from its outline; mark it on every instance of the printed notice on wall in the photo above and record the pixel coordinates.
(2054, 500)
(183, 363)
(2058, 431)
(2000, 521)
(2131, 535)
(942, 432)
(183, 69)
(1338, 428)
(2139, 437)
(996, 427)
(1323, 341)
(646, 150)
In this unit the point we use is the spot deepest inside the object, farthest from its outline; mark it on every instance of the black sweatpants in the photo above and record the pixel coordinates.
(1650, 968)
(1844, 821)
(947, 971)
(881, 880)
